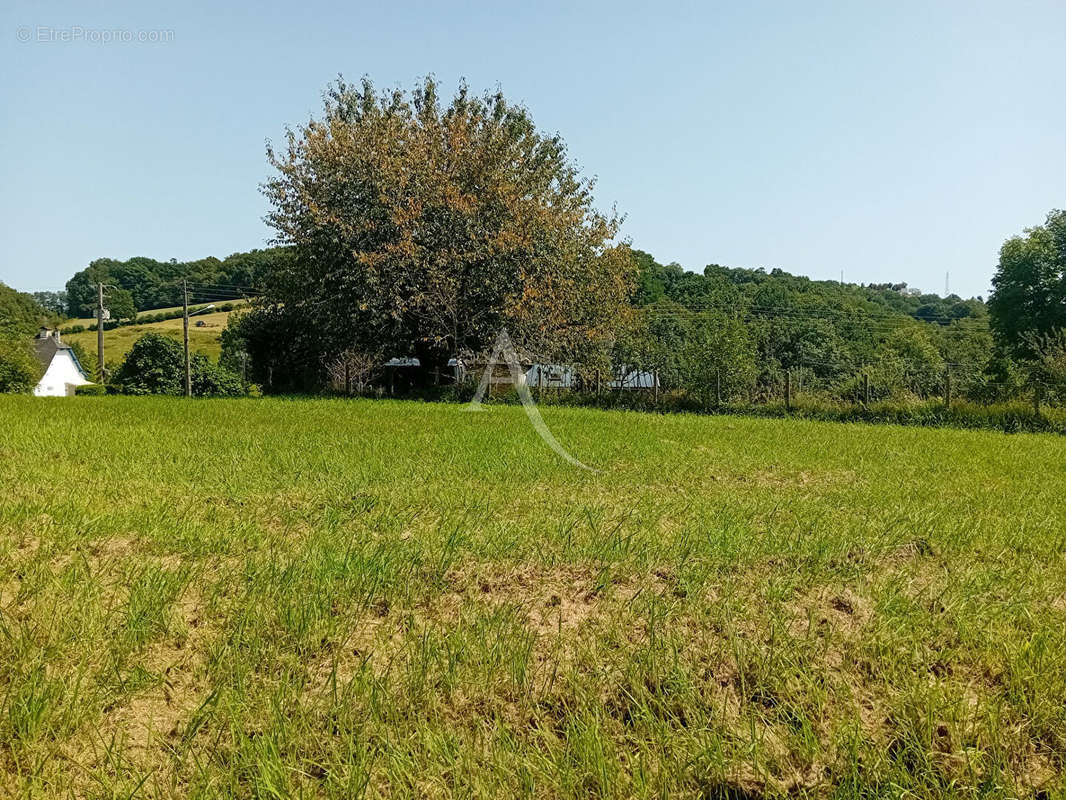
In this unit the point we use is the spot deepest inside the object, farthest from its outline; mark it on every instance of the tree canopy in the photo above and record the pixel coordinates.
(425, 226)
(1029, 287)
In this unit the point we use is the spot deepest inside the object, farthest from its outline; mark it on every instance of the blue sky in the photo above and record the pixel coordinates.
(894, 141)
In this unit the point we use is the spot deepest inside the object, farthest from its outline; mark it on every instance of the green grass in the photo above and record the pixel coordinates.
(118, 341)
(326, 598)
(87, 321)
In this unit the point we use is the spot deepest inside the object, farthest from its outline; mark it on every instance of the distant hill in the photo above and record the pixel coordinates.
(762, 291)
(157, 284)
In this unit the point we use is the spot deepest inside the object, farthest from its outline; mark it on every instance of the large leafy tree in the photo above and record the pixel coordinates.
(426, 226)
(1029, 287)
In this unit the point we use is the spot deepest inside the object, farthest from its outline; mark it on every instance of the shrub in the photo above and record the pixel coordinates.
(213, 380)
(156, 365)
(91, 390)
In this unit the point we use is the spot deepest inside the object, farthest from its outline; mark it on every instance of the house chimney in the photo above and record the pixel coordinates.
(55, 333)
(43, 333)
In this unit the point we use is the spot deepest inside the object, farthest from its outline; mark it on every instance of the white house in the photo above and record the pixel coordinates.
(62, 372)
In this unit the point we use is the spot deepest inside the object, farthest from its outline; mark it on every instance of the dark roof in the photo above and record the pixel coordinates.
(46, 348)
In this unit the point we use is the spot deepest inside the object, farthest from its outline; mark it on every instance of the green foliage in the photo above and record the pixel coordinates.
(214, 380)
(718, 352)
(20, 317)
(273, 349)
(913, 361)
(822, 332)
(424, 227)
(19, 368)
(1029, 297)
(157, 284)
(704, 351)
(20, 314)
(120, 303)
(1047, 365)
(156, 365)
(91, 390)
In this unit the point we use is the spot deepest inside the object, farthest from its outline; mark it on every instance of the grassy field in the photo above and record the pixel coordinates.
(205, 339)
(318, 598)
(87, 321)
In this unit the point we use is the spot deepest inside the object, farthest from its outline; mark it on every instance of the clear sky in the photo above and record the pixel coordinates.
(896, 141)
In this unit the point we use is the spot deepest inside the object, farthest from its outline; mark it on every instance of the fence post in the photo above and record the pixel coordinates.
(788, 390)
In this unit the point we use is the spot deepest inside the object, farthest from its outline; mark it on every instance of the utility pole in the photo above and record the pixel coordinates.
(185, 336)
(100, 330)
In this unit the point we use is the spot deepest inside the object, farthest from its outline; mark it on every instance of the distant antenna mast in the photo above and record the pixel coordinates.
(947, 284)
(841, 277)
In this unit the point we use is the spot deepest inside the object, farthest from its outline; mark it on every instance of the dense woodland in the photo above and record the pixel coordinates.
(746, 328)
(152, 284)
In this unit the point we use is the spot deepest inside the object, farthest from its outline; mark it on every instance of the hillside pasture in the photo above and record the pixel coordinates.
(206, 339)
(328, 598)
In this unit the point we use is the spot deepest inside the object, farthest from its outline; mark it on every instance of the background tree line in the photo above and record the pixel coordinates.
(143, 283)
